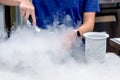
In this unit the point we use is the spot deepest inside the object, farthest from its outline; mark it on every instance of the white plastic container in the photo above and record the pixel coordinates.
(95, 46)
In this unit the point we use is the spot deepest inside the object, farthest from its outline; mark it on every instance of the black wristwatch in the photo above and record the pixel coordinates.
(77, 33)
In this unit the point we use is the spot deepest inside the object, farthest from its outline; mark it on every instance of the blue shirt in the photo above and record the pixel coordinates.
(47, 11)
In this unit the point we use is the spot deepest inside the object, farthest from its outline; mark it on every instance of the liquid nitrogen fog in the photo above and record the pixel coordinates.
(29, 55)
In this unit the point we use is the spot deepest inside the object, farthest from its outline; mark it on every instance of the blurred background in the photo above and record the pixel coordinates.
(107, 20)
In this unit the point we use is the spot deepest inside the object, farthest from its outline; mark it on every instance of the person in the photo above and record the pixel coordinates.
(45, 10)
(81, 12)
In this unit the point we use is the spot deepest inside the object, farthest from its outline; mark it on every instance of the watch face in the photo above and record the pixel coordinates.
(78, 33)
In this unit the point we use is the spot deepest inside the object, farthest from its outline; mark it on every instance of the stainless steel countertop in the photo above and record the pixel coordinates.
(109, 1)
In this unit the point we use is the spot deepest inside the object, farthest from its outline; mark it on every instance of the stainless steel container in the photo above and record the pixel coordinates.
(2, 23)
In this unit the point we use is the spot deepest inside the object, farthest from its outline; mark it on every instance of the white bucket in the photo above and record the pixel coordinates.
(95, 46)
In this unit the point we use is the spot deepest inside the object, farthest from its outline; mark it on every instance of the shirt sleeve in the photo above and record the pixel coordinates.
(91, 6)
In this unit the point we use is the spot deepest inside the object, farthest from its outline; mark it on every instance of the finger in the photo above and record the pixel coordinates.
(33, 17)
(23, 11)
(27, 14)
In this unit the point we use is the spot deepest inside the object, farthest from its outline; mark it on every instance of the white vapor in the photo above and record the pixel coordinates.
(30, 55)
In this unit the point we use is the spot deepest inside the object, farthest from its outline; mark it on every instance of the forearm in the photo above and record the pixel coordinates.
(10, 2)
(88, 23)
(25, 0)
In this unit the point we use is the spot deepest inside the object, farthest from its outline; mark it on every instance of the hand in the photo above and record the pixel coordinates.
(27, 9)
(68, 39)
